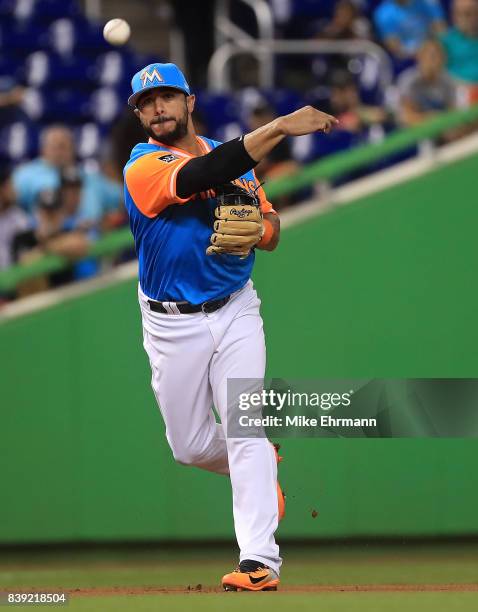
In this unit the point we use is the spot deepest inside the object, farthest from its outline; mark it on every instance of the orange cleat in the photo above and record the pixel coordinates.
(280, 492)
(251, 576)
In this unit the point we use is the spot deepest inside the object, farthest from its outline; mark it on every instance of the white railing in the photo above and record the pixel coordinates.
(230, 41)
(226, 31)
(219, 77)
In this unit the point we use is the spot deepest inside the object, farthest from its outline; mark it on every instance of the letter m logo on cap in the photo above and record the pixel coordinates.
(150, 77)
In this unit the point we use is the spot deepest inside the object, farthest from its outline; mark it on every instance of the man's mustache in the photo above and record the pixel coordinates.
(162, 120)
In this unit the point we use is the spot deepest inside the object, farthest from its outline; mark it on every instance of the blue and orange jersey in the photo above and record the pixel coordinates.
(172, 234)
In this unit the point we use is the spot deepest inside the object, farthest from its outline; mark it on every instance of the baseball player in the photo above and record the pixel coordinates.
(198, 215)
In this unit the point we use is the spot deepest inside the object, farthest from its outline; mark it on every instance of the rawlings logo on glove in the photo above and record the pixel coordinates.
(238, 226)
(241, 213)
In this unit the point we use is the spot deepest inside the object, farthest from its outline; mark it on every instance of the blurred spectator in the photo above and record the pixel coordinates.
(51, 231)
(126, 133)
(347, 22)
(426, 89)
(403, 25)
(99, 195)
(11, 97)
(17, 135)
(200, 123)
(56, 229)
(198, 48)
(71, 183)
(13, 220)
(346, 105)
(279, 161)
(461, 45)
(11, 94)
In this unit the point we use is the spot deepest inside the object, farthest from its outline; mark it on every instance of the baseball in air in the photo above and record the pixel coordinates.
(117, 32)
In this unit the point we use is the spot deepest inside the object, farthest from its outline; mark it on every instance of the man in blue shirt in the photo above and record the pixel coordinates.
(461, 42)
(403, 25)
(99, 194)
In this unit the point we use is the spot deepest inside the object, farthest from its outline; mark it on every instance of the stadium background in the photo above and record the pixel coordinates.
(91, 498)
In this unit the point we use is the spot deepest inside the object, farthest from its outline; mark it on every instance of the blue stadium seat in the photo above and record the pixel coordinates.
(7, 9)
(9, 65)
(113, 68)
(67, 36)
(34, 103)
(90, 138)
(37, 68)
(218, 109)
(66, 106)
(227, 131)
(338, 140)
(49, 10)
(305, 148)
(39, 11)
(304, 17)
(69, 70)
(104, 105)
(311, 147)
(18, 141)
(42, 68)
(24, 38)
(90, 37)
(284, 100)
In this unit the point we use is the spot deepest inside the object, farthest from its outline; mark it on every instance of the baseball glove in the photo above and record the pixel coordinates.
(238, 226)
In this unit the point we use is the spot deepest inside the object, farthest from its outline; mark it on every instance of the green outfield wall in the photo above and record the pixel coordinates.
(385, 287)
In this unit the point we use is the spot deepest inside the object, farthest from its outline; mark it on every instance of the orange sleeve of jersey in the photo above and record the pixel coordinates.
(151, 182)
(266, 206)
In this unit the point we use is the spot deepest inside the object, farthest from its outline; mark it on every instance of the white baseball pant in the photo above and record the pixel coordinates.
(191, 357)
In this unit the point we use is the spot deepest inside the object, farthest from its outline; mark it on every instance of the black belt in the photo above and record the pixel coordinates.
(188, 308)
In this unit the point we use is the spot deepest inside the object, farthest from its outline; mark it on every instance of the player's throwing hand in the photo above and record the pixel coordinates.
(305, 121)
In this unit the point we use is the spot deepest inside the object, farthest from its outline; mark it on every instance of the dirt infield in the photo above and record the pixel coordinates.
(303, 588)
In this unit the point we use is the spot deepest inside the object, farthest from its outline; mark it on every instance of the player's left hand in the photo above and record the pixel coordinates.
(238, 226)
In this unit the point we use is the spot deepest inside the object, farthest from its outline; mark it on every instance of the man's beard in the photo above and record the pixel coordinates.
(171, 138)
